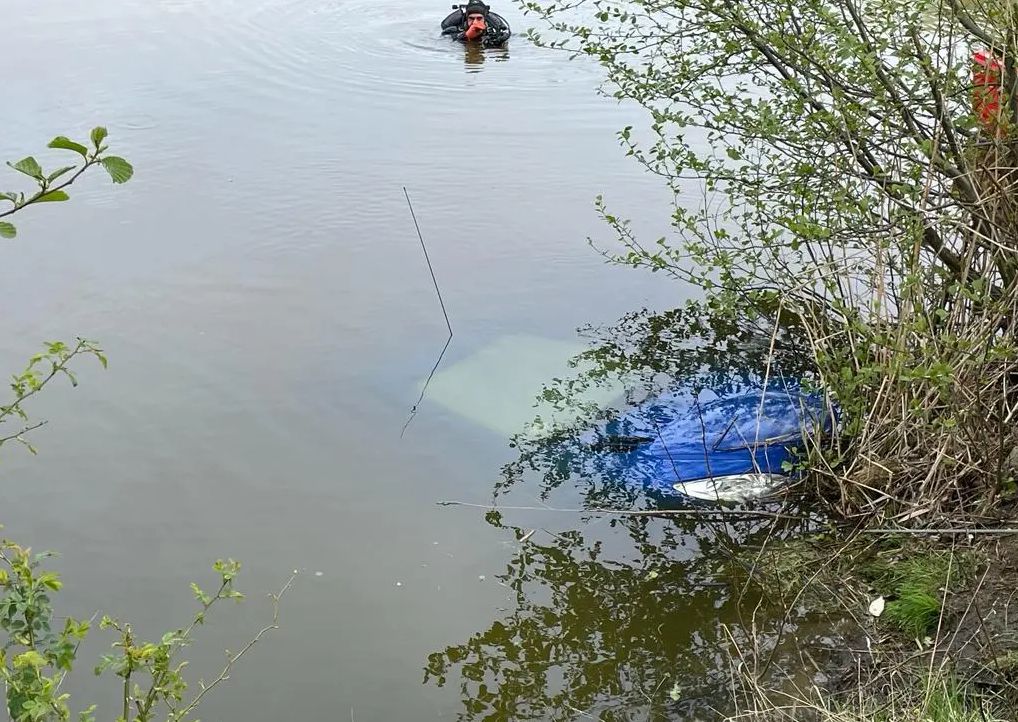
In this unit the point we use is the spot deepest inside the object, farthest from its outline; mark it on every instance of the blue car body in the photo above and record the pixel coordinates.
(730, 446)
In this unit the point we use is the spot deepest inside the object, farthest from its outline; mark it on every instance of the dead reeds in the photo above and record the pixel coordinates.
(960, 665)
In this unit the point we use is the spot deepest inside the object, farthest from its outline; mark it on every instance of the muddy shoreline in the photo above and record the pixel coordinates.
(878, 661)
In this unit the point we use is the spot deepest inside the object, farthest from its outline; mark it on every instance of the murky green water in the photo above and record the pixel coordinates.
(268, 315)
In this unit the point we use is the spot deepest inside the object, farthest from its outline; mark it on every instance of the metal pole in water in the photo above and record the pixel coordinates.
(445, 314)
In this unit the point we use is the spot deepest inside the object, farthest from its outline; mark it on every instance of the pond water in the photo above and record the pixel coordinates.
(269, 318)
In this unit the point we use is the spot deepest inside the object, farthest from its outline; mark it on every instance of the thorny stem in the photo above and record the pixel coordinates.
(233, 659)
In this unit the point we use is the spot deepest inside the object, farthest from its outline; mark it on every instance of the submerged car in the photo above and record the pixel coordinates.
(734, 446)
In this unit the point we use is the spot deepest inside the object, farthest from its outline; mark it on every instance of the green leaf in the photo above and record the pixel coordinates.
(119, 169)
(31, 658)
(51, 581)
(98, 135)
(29, 166)
(52, 197)
(68, 144)
(7, 230)
(57, 173)
(200, 594)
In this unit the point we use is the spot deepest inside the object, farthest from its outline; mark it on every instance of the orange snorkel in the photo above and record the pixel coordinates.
(476, 29)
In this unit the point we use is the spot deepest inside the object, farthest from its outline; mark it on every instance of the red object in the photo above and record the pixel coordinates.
(476, 29)
(986, 88)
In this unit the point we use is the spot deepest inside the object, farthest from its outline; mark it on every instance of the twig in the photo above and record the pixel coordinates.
(46, 189)
(445, 314)
(233, 659)
(56, 367)
(636, 512)
(25, 430)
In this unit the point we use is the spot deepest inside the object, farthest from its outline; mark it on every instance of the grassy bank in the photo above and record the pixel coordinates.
(929, 631)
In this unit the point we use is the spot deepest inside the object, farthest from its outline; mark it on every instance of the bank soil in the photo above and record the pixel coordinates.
(886, 628)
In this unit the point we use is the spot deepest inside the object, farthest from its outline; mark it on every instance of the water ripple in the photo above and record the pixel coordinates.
(381, 50)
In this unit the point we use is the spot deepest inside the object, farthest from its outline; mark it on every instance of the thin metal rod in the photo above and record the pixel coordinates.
(445, 314)
(427, 258)
(696, 513)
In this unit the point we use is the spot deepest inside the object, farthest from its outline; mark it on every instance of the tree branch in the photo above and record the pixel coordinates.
(181, 714)
(45, 189)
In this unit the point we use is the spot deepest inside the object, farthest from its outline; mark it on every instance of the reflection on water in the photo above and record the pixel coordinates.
(260, 292)
(687, 354)
(657, 627)
(634, 617)
(475, 56)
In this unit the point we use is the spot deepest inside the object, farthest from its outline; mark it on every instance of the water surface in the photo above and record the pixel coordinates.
(262, 296)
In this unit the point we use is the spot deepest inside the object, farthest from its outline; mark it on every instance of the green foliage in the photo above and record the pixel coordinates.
(38, 654)
(36, 657)
(48, 189)
(68, 144)
(914, 696)
(950, 701)
(98, 135)
(119, 169)
(151, 672)
(54, 360)
(828, 152)
(42, 368)
(898, 563)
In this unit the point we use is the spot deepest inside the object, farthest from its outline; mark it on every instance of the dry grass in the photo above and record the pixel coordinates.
(935, 699)
(925, 365)
(952, 658)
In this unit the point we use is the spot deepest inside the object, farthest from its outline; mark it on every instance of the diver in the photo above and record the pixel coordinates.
(474, 22)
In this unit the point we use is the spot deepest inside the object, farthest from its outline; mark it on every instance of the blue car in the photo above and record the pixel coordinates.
(716, 447)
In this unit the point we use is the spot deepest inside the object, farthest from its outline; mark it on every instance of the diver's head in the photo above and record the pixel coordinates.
(476, 11)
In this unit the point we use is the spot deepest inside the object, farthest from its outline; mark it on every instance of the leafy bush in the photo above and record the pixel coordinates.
(856, 164)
